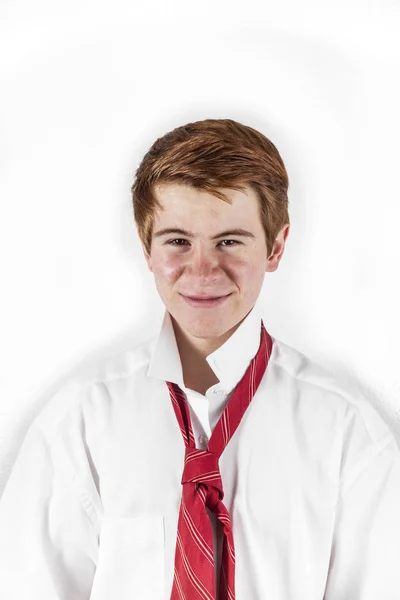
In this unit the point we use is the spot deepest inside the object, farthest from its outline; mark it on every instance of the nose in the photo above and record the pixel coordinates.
(203, 261)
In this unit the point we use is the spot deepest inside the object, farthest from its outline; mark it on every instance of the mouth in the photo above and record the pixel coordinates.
(205, 301)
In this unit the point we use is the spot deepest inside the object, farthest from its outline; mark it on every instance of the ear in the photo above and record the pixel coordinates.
(274, 258)
(146, 256)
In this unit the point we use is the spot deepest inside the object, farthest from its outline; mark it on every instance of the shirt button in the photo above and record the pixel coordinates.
(203, 439)
(218, 392)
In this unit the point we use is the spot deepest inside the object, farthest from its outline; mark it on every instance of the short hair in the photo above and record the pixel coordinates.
(209, 155)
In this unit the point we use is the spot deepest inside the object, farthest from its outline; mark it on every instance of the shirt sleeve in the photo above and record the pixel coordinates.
(365, 557)
(48, 541)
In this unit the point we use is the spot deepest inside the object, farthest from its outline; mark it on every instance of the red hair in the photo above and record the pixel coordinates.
(209, 155)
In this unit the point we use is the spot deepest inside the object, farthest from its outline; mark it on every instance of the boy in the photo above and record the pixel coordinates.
(214, 461)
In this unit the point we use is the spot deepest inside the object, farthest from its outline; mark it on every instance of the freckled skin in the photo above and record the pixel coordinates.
(200, 265)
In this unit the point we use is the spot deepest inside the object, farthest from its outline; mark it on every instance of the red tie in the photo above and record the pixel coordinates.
(194, 575)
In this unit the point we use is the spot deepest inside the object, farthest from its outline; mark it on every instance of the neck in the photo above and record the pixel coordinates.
(197, 373)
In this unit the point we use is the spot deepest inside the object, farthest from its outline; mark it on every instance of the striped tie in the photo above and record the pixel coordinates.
(194, 575)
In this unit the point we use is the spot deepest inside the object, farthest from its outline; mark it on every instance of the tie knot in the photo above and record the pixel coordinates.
(202, 466)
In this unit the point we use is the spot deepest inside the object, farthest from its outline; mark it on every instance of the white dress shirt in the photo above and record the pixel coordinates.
(311, 479)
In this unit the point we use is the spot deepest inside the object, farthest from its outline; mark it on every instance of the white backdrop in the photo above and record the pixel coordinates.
(87, 86)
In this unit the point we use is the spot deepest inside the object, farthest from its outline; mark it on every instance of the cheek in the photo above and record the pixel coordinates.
(166, 268)
(247, 268)
(248, 275)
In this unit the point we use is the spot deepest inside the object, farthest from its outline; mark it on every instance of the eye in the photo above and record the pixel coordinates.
(172, 242)
(234, 242)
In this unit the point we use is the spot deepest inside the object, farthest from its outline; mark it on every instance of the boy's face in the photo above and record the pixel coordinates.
(197, 265)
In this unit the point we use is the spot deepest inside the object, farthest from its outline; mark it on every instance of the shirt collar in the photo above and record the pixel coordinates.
(229, 362)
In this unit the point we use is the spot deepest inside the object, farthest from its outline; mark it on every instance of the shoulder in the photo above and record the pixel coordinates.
(86, 393)
(334, 391)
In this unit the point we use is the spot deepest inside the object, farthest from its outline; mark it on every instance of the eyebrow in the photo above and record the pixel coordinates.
(177, 230)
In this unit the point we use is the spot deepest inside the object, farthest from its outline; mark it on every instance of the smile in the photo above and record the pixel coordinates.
(205, 303)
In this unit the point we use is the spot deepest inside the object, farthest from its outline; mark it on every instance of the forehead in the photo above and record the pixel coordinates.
(187, 203)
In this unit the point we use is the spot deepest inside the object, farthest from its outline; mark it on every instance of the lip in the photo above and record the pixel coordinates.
(205, 303)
